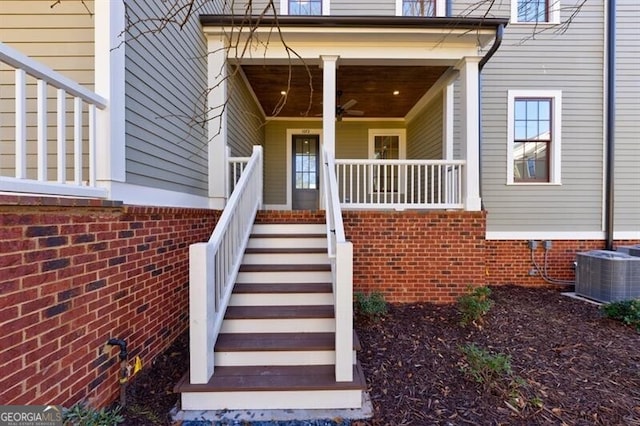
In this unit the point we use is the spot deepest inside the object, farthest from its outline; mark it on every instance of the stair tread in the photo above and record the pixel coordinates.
(284, 288)
(239, 342)
(281, 235)
(274, 378)
(279, 250)
(244, 342)
(285, 268)
(279, 312)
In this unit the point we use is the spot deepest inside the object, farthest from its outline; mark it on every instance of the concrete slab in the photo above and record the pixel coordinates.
(573, 295)
(263, 417)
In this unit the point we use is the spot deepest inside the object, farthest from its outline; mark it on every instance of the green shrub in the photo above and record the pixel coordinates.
(627, 311)
(484, 367)
(474, 306)
(372, 305)
(83, 415)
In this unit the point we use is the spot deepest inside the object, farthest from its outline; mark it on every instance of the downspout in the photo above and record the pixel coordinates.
(611, 122)
(496, 44)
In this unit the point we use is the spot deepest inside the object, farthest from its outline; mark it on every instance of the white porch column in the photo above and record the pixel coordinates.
(109, 61)
(329, 65)
(470, 133)
(217, 123)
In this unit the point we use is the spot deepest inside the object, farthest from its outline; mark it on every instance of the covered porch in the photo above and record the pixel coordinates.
(399, 117)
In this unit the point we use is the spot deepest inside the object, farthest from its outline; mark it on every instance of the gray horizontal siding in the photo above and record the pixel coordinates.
(573, 63)
(627, 173)
(245, 119)
(424, 132)
(166, 77)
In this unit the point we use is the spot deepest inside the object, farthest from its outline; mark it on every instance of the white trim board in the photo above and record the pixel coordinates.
(147, 196)
(560, 235)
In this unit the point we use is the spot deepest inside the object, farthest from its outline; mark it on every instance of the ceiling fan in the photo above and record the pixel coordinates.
(341, 110)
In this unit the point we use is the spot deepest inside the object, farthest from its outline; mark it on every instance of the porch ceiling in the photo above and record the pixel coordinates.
(371, 86)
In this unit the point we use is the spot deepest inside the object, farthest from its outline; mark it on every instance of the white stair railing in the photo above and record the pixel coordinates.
(400, 184)
(341, 254)
(214, 265)
(236, 168)
(50, 178)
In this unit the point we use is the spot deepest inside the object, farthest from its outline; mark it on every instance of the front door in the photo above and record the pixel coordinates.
(306, 172)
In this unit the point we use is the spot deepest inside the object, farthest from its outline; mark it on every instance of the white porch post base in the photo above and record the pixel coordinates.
(470, 120)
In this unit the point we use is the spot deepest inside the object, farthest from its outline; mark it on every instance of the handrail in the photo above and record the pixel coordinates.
(340, 252)
(214, 266)
(18, 60)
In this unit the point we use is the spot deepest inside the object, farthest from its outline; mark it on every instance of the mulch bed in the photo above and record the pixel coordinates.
(569, 366)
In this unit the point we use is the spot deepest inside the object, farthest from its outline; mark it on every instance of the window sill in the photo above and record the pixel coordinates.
(533, 184)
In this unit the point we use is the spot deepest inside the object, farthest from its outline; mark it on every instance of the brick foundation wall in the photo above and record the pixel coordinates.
(74, 273)
(416, 256)
(509, 262)
(290, 216)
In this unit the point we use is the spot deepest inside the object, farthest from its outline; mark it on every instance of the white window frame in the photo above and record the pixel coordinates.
(284, 7)
(441, 8)
(554, 14)
(556, 133)
(402, 150)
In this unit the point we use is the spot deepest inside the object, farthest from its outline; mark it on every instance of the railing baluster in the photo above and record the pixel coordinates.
(61, 115)
(92, 145)
(21, 124)
(41, 117)
(77, 140)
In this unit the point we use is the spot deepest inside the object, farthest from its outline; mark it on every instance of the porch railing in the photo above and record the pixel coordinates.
(36, 165)
(214, 265)
(400, 184)
(341, 255)
(236, 168)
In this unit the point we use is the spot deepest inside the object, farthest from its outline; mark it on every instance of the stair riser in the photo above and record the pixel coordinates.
(286, 259)
(251, 358)
(290, 243)
(269, 400)
(284, 277)
(298, 325)
(294, 228)
(279, 299)
(235, 359)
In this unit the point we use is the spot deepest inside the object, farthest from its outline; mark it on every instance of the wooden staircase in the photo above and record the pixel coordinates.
(276, 348)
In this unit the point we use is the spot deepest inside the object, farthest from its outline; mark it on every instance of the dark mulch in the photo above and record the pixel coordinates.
(570, 366)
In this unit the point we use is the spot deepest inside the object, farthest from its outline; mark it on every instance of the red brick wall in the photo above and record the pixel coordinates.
(509, 262)
(75, 273)
(291, 216)
(416, 256)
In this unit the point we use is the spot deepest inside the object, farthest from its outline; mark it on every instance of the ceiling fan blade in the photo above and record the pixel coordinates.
(354, 112)
(349, 104)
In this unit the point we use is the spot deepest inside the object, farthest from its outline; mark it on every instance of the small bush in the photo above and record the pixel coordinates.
(372, 305)
(627, 311)
(82, 415)
(484, 367)
(474, 306)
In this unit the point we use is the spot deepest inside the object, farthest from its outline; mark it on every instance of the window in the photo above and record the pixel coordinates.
(303, 7)
(534, 136)
(535, 11)
(387, 144)
(420, 8)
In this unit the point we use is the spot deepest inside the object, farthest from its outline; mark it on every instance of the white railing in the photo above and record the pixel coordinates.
(400, 184)
(214, 265)
(28, 164)
(341, 254)
(236, 168)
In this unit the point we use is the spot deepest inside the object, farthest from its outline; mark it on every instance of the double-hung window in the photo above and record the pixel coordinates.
(387, 144)
(304, 7)
(420, 8)
(535, 11)
(534, 136)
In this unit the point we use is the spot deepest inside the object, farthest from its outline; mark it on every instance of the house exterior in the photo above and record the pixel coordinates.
(432, 149)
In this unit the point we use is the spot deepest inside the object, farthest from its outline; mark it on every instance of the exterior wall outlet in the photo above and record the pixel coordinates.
(547, 244)
(533, 272)
(533, 244)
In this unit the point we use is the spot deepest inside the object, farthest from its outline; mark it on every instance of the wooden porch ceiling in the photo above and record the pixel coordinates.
(371, 86)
